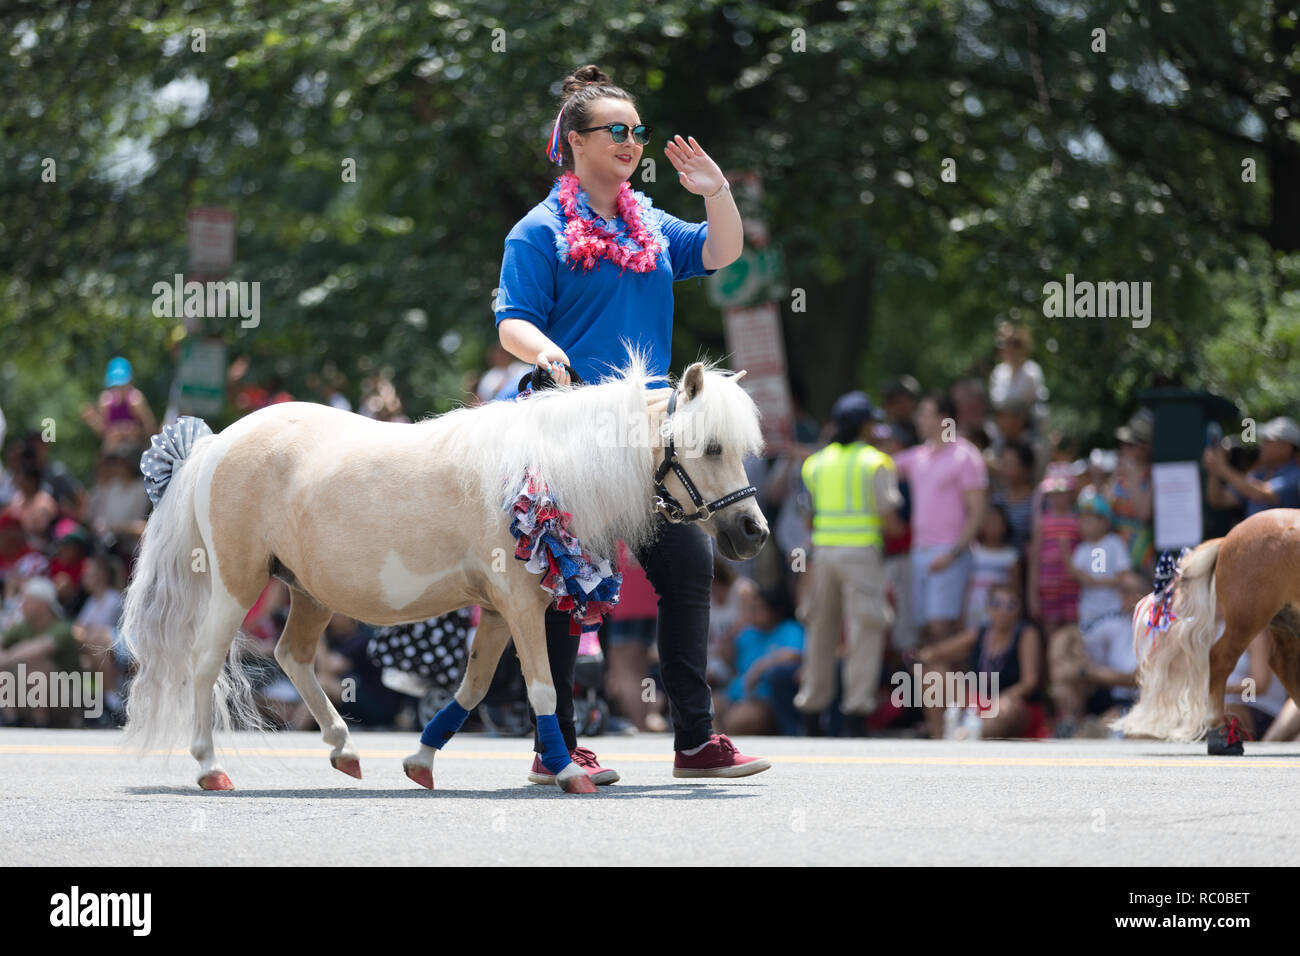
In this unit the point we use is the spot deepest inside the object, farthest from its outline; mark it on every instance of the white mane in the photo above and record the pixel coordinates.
(605, 485)
(563, 434)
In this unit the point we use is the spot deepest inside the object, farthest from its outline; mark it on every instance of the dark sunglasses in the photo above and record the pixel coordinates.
(618, 132)
(1004, 604)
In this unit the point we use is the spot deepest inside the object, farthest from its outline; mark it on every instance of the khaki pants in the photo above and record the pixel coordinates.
(847, 587)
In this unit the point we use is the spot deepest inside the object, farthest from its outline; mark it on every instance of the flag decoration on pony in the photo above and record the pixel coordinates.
(582, 584)
(1161, 614)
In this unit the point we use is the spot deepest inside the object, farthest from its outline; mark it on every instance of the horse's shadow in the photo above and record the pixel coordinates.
(673, 791)
(1265, 755)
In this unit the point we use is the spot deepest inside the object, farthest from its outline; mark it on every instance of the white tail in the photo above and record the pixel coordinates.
(164, 610)
(1174, 673)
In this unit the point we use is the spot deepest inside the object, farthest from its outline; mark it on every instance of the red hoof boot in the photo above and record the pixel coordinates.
(349, 765)
(578, 783)
(421, 775)
(215, 781)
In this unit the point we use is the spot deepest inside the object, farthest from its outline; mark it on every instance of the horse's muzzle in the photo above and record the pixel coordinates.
(742, 538)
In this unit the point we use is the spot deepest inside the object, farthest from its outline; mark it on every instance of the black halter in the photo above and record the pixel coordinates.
(669, 506)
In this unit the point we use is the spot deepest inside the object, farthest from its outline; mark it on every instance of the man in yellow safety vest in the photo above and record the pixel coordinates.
(855, 495)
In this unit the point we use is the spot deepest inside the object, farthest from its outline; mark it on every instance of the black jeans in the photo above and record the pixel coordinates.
(679, 564)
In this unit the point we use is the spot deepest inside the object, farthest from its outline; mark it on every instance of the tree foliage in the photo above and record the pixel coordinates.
(1124, 164)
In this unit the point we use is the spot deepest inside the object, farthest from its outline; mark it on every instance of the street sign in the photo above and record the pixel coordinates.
(210, 233)
(754, 339)
(748, 291)
(754, 344)
(771, 393)
(757, 276)
(202, 375)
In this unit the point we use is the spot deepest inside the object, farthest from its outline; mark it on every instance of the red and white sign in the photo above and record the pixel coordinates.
(754, 339)
(211, 235)
(771, 393)
(755, 345)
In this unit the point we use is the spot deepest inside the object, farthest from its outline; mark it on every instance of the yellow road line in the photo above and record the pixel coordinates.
(611, 758)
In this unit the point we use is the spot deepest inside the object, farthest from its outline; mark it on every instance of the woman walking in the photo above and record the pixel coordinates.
(587, 267)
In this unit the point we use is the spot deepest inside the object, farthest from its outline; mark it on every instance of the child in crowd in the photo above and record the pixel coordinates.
(67, 561)
(96, 626)
(729, 590)
(122, 415)
(767, 652)
(1053, 592)
(1098, 561)
(1015, 490)
(1094, 672)
(996, 562)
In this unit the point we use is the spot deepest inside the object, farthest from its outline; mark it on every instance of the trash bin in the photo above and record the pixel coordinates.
(1186, 421)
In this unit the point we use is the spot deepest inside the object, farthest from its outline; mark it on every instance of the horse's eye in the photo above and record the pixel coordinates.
(713, 448)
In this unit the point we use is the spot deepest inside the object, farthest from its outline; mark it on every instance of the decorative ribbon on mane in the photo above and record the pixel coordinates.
(583, 584)
(553, 151)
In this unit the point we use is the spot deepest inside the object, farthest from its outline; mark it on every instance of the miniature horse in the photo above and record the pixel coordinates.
(1255, 573)
(390, 523)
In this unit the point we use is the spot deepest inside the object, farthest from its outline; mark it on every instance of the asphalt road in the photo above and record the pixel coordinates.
(72, 798)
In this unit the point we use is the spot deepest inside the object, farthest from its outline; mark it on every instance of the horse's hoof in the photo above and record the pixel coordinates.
(421, 775)
(216, 780)
(349, 765)
(578, 783)
(1225, 741)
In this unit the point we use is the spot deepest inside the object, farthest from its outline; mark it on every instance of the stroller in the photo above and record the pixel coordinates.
(505, 708)
(425, 659)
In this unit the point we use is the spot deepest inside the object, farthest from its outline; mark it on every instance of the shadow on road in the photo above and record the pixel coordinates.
(675, 791)
(1266, 755)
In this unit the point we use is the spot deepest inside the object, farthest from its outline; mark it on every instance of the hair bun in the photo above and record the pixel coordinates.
(584, 76)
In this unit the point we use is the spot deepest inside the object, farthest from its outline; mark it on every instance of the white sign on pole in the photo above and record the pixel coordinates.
(1177, 492)
(754, 339)
(211, 236)
(755, 345)
(771, 393)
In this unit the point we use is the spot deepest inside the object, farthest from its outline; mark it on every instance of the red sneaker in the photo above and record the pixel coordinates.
(718, 758)
(584, 758)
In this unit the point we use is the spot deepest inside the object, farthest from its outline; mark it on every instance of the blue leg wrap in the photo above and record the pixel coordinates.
(444, 725)
(556, 757)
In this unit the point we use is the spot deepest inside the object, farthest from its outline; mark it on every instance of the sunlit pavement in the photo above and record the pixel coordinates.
(73, 798)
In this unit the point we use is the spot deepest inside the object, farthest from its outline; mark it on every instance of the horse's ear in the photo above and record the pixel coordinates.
(739, 375)
(694, 380)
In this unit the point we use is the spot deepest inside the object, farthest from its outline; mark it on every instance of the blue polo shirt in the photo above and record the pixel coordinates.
(586, 312)
(1283, 481)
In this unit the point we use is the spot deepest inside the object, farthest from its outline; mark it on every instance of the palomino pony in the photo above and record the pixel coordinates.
(390, 523)
(1254, 571)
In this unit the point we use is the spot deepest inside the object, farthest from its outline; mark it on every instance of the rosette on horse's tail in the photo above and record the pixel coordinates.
(583, 584)
(168, 447)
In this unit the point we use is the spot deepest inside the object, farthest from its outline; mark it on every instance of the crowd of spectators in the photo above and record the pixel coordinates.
(67, 551)
(1020, 556)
